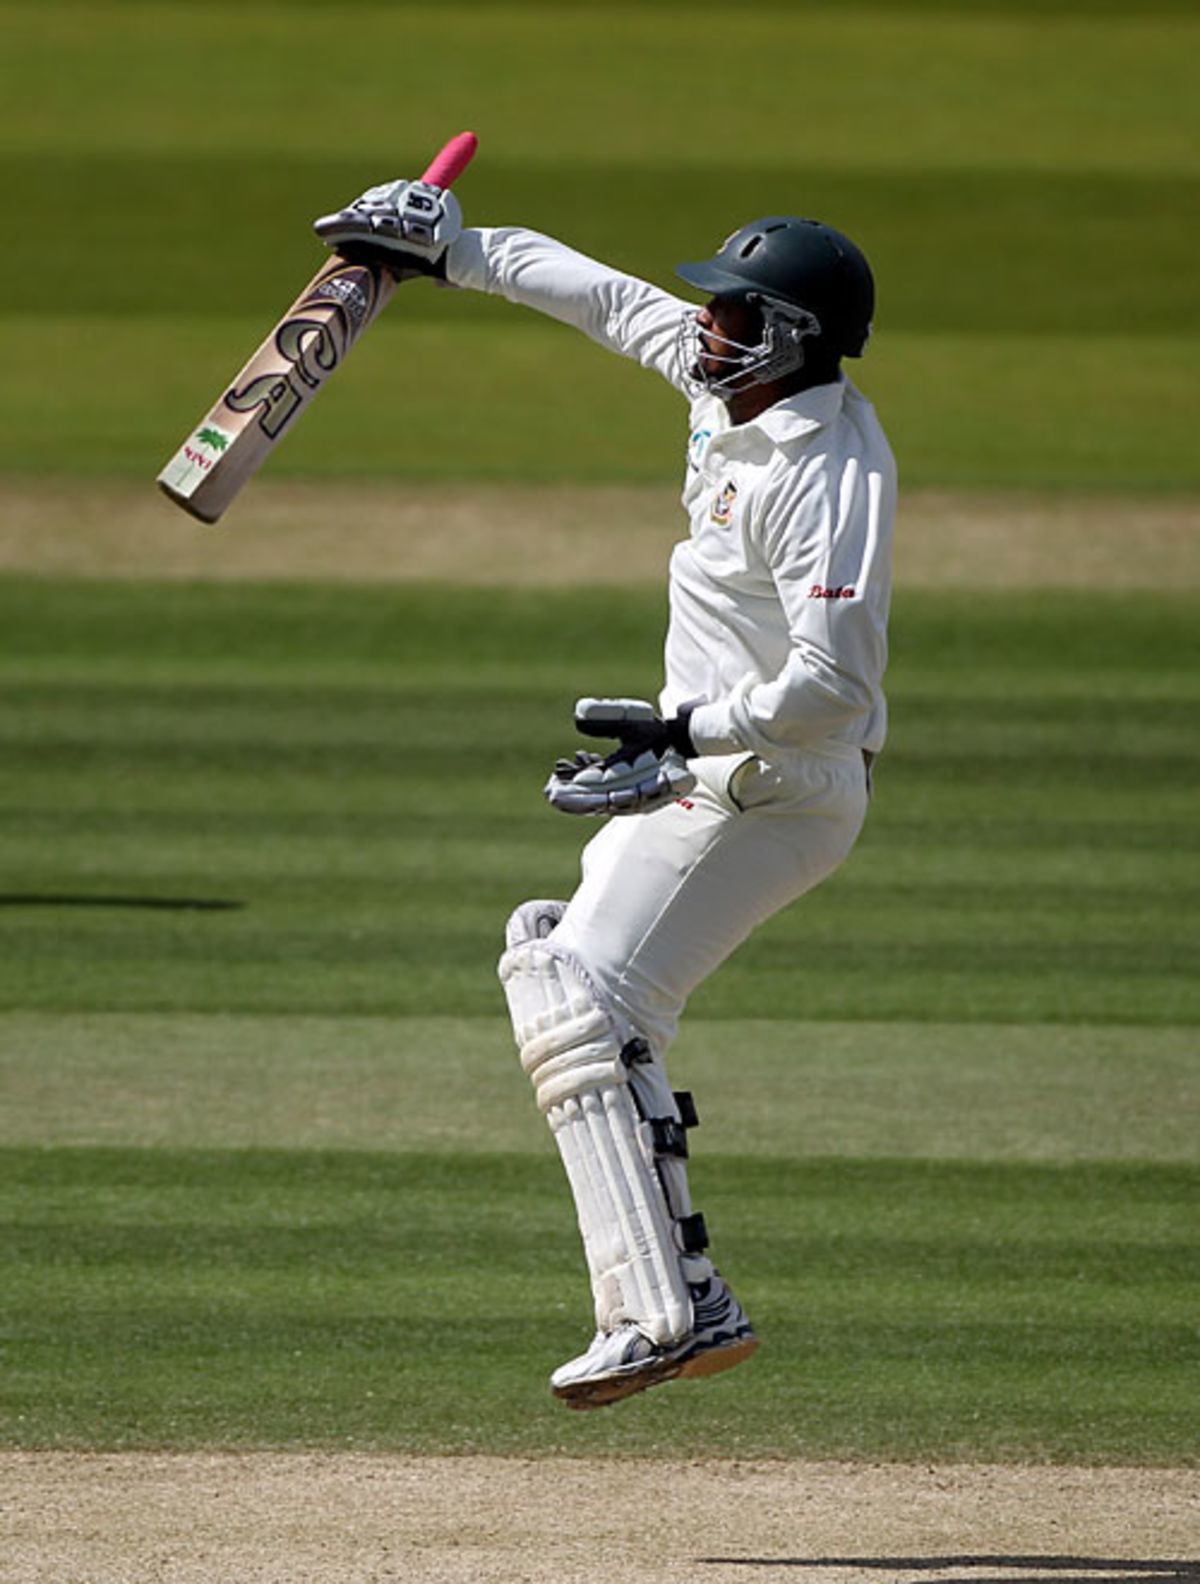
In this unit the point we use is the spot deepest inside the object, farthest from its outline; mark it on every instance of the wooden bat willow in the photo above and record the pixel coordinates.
(234, 438)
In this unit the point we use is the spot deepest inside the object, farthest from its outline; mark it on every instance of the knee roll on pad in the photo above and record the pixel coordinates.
(619, 1130)
(566, 1039)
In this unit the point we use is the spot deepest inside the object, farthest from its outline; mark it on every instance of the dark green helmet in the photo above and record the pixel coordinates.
(800, 264)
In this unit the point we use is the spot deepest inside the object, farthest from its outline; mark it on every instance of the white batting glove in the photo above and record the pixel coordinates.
(646, 772)
(411, 222)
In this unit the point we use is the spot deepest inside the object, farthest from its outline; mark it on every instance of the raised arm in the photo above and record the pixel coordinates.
(619, 311)
(416, 229)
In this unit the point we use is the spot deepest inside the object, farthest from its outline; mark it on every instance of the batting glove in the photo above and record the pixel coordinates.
(648, 770)
(408, 225)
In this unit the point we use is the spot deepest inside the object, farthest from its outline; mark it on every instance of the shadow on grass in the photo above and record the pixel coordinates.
(997, 1569)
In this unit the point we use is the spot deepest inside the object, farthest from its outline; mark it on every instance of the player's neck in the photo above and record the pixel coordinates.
(745, 405)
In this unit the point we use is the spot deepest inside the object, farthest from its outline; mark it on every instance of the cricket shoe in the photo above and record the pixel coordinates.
(622, 1362)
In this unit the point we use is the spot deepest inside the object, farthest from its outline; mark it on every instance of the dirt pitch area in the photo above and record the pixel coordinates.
(343, 1518)
(300, 1518)
(547, 535)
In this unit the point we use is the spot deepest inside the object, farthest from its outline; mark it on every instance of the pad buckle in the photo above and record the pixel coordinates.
(688, 1115)
(693, 1234)
(669, 1136)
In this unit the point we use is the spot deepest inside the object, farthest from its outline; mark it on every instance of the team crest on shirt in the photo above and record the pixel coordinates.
(722, 507)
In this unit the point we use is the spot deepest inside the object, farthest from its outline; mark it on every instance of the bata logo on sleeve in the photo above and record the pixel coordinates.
(842, 591)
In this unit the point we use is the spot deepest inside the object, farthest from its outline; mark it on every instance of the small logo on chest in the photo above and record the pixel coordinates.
(697, 441)
(722, 506)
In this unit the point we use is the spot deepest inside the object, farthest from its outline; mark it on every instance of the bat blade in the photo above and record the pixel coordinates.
(268, 394)
(307, 345)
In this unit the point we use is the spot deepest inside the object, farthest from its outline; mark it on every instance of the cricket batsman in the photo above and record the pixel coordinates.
(748, 782)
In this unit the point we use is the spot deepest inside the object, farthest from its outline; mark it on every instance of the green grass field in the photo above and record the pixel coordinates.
(272, 1174)
(269, 1172)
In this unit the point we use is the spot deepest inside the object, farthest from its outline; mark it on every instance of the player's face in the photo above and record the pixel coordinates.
(725, 319)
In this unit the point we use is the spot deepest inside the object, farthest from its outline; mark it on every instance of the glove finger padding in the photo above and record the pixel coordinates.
(623, 783)
(646, 771)
(579, 760)
(411, 223)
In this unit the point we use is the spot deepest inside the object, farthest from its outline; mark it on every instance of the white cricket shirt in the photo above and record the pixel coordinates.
(779, 596)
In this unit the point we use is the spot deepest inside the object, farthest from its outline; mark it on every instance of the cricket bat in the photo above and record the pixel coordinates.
(234, 438)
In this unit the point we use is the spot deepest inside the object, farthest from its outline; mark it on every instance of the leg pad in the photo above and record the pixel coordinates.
(615, 1122)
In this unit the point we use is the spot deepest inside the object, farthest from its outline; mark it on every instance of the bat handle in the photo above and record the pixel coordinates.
(449, 164)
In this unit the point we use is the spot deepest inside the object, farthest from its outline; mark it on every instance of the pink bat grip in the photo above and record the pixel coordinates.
(449, 165)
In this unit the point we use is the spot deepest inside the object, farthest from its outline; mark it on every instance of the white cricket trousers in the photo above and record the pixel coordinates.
(664, 898)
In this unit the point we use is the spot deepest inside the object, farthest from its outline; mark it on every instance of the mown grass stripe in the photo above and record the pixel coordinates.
(955, 252)
(112, 396)
(966, 86)
(1043, 10)
(796, 1090)
(232, 1298)
(365, 848)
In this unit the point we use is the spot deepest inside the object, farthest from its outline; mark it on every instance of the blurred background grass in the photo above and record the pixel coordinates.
(1026, 179)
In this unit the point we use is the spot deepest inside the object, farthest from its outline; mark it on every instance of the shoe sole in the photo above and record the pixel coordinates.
(712, 1361)
(602, 1393)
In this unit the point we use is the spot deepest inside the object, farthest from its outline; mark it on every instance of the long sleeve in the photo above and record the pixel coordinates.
(627, 315)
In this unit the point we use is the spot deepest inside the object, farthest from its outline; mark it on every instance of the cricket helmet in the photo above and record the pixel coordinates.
(809, 282)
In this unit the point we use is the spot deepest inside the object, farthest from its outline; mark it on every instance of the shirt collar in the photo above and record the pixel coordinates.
(801, 414)
(797, 417)
(792, 419)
